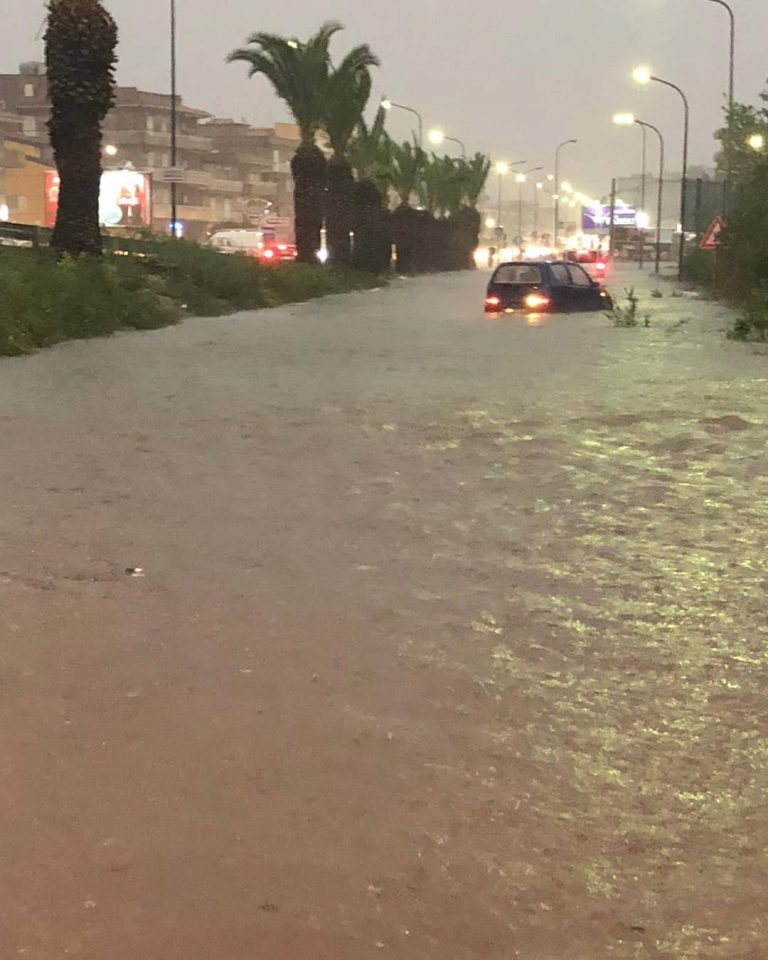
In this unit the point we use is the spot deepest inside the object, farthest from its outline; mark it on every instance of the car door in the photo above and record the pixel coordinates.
(560, 283)
(584, 294)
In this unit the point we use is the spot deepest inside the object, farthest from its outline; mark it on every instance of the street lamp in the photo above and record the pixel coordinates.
(560, 146)
(756, 142)
(644, 75)
(732, 60)
(437, 137)
(111, 150)
(628, 119)
(174, 123)
(388, 104)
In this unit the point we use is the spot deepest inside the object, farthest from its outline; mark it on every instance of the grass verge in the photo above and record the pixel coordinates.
(44, 301)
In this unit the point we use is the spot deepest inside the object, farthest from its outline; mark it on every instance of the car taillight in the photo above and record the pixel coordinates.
(535, 301)
(269, 254)
(492, 301)
(600, 267)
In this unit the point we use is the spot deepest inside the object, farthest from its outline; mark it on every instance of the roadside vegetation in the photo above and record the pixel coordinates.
(367, 190)
(738, 272)
(354, 177)
(46, 299)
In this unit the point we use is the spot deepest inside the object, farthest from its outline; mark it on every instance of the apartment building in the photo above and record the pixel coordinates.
(229, 173)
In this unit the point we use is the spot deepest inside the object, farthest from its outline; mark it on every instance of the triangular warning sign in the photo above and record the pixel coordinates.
(711, 238)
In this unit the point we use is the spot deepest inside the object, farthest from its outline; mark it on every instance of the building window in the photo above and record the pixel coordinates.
(151, 124)
(30, 126)
(151, 160)
(29, 89)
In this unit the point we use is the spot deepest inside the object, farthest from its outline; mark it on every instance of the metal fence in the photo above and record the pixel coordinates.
(24, 235)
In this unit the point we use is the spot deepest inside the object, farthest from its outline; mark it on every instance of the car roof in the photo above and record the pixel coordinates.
(529, 263)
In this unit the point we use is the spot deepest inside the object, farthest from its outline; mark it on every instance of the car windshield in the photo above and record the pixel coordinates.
(514, 273)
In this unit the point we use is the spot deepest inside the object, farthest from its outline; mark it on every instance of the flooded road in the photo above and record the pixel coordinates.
(374, 627)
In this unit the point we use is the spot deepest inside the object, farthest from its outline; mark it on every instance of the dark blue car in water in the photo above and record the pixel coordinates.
(544, 286)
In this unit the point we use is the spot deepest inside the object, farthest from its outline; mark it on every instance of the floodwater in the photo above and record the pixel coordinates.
(374, 627)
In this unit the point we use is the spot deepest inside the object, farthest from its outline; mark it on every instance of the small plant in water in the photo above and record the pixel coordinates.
(628, 316)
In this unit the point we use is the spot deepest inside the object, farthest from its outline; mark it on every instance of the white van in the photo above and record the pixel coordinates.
(249, 242)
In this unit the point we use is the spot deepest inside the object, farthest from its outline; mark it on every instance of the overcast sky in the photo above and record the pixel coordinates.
(510, 77)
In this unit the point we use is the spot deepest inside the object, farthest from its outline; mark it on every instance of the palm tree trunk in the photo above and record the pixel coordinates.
(78, 160)
(308, 169)
(339, 210)
(80, 45)
(372, 251)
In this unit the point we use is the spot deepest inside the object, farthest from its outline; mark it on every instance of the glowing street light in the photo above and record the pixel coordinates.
(520, 178)
(642, 75)
(502, 168)
(567, 188)
(438, 137)
(111, 150)
(756, 142)
(388, 105)
(624, 119)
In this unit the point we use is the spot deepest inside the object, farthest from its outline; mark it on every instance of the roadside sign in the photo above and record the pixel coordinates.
(711, 238)
(173, 175)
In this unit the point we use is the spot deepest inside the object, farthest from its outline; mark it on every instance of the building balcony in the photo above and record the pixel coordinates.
(154, 138)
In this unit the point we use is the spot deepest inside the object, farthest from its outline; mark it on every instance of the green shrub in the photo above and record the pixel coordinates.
(627, 316)
(44, 300)
(205, 281)
(752, 324)
(700, 268)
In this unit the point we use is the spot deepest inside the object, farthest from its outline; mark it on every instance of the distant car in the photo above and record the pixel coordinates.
(534, 286)
(595, 262)
(277, 253)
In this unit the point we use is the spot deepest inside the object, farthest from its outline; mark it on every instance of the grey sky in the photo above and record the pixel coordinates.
(510, 78)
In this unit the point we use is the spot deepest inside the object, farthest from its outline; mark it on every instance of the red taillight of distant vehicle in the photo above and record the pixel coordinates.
(278, 253)
(492, 303)
(537, 301)
(601, 266)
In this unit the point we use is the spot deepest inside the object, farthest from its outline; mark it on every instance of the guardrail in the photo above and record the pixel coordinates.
(24, 235)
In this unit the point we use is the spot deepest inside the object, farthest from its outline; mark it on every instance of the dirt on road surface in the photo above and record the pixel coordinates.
(377, 628)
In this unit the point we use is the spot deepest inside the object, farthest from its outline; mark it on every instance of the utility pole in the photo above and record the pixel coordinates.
(174, 122)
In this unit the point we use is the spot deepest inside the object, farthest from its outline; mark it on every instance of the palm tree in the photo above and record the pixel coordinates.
(299, 73)
(475, 176)
(349, 89)
(80, 45)
(407, 162)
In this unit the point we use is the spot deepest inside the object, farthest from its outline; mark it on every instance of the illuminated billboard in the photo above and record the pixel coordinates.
(125, 198)
(598, 216)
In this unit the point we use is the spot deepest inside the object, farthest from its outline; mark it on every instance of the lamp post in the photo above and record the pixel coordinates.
(732, 59)
(174, 122)
(388, 104)
(644, 76)
(560, 146)
(626, 120)
(437, 137)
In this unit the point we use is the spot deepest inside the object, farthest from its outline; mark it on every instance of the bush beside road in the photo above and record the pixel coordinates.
(44, 300)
